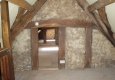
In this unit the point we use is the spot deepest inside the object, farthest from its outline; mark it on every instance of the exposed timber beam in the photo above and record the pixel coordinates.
(99, 4)
(88, 47)
(34, 48)
(96, 19)
(103, 16)
(5, 24)
(6, 38)
(21, 12)
(26, 18)
(61, 23)
(22, 3)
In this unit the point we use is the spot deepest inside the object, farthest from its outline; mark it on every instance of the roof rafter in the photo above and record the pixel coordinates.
(96, 19)
(26, 18)
(22, 3)
(21, 12)
(99, 4)
(103, 16)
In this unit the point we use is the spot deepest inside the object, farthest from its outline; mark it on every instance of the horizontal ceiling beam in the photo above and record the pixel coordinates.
(99, 4)
(60, 23)
(22, 3)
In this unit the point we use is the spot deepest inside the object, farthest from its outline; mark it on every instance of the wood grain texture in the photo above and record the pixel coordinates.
(99, 4)
(5, 25)
(26, 18)
(62, 23)
(103, 16)
(97, 20)
(6, 36)
(61, 53)
(34, 48)
(88, 47)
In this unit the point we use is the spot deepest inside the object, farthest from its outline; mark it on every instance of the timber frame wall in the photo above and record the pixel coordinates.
(99, 20)
(35, 45)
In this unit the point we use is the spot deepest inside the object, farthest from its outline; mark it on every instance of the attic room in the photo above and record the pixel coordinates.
(57, 40)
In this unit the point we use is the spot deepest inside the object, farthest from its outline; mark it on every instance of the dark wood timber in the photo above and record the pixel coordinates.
(96, 19)
(103, 16)
(99, 4)
(22, 3)
(88, 47)
(5, 64)
(62, 23)
(6, 36)
(21, 12)
(61, 54)
(26, 18)
(5, 24)
(34, 46)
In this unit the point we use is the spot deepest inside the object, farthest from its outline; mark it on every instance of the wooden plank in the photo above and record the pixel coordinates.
(5, 24)
(22, 3)
(4, 52)
(99, 4)
(6, 34)
(21, 12)
(103, 16)
(96, 19)
(26, 18)
(62, 23)
(88, 47)
(34, 48)
(61, 53)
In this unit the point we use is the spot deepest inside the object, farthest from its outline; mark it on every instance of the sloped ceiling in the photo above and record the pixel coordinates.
(13, 10)
(110, 9)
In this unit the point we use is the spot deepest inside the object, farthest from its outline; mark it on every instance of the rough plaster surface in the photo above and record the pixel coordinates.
(75, 48)
(103, 51)
(64, 9)
(21, 51)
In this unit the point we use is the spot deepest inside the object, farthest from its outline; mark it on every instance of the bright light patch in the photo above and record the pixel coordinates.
(49, 49)
(62, 61)
(37, 23)
(50, 40)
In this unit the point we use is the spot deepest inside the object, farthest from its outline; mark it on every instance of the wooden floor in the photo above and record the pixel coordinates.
(85, 74)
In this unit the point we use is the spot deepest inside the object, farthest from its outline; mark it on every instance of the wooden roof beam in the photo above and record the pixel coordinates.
(98, 22)
(21, 12)
(26, 18)
(99, 4)
(61, 23)
(103, 16)
(22, 3)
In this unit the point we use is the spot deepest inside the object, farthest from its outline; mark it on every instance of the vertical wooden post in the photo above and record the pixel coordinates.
(7, 37)
(56, 36)
(34, 46)
(61, 54)
(88, 47)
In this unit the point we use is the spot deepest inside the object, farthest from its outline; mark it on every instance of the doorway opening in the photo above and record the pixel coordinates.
(48, 48)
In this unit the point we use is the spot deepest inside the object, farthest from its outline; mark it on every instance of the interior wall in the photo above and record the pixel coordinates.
(75, 38)
(75, 48)
(103, 53)
(22, 51)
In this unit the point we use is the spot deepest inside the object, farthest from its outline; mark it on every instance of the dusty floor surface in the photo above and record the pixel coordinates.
(85, 74)
(48, 55)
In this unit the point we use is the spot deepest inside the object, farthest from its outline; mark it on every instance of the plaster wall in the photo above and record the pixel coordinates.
(75, 38)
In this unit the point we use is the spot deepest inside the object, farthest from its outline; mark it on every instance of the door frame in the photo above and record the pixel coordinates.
(35, 45)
